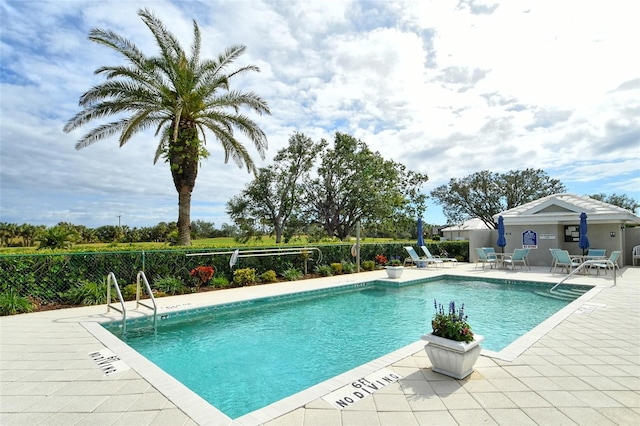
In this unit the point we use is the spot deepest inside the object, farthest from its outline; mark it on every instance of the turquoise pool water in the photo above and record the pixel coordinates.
(243, 359)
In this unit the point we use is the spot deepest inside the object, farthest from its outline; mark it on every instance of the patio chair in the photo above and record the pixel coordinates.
(420, 262)
(606, 264)
(565, 261)
(596, 254)
(437, 259)
(636, 254)
(518, 256)
(554, 258)
(485, 258)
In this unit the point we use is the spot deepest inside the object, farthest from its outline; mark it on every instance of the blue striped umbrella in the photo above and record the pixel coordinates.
(584, 240)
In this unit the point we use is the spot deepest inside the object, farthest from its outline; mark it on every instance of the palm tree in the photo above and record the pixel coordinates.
(180, 97)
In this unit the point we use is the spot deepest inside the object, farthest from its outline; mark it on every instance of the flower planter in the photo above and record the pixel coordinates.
(451, 358)
(394, 271)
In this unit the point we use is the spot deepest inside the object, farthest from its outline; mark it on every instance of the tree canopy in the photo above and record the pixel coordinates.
(277, 191)
(334, 187)
(622, 200)
(485, 194)
(179, 95)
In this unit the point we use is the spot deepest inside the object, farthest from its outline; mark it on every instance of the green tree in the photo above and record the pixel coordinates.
(179, 95)
(485, 194)
(60, 236)
(355, 184)
(276, 192)
(622, 200)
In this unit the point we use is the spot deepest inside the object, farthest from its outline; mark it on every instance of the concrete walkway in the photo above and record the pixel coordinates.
(582, 366)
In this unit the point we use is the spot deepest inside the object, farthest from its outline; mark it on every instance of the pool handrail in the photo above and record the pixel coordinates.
(154, 308)
(579, 267)
(111, 277)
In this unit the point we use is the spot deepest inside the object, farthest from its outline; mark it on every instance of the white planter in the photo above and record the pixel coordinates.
(394, 271)
(451, 358)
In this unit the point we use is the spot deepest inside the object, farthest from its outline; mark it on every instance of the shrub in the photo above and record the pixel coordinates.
(202, 274)
(129, 292)
(88, 293)
(348, 267)
(169, 285)
(244, 276)
(369, 265)
(220, 282)
(12, 303)
(324, 270)
(292, 274)
(336, 268)
(269, 276)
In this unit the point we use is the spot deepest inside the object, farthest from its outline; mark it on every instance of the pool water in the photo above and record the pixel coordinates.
(240, 360)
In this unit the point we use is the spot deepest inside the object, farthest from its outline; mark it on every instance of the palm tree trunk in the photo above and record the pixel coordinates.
(184, 217)
(183, 159)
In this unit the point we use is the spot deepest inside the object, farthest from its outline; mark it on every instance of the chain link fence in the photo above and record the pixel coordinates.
(47, 278)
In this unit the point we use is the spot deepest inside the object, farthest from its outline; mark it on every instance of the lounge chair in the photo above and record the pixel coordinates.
(565, 261)
(420, 262)
(636, 254)
(484, 258)
(437, 259)
(606, 264)
(518, 256)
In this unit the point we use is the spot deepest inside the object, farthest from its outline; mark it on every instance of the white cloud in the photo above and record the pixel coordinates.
(448, 88)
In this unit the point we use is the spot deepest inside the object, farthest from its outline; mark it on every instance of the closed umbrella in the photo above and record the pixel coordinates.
(502, 241)
(420, 237)
(584, 240)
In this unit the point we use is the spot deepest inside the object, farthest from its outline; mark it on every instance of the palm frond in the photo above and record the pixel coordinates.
(118, 43)
(101, 132)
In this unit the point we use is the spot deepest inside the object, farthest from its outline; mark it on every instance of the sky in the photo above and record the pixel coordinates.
(448, 88)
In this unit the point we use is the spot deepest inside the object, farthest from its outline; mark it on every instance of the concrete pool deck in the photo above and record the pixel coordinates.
(582, 366)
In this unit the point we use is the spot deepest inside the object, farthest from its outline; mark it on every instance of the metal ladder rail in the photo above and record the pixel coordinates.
(154, 308)
(112, 278)
(582, 266)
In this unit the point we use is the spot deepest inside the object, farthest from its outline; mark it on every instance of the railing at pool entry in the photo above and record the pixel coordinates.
(237, 254)
(154, 308)
(580, 267)
(111, 279)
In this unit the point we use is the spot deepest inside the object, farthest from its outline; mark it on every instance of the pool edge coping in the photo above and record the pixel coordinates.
(205, 413)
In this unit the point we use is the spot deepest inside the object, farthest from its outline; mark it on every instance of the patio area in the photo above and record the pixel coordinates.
(580, 367)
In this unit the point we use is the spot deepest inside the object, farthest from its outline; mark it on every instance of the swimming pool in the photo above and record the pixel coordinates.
(245, 358)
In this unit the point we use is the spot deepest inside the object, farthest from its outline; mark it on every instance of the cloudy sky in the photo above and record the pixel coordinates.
(448, 88)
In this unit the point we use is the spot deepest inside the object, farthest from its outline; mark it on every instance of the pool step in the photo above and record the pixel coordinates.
(563, 293)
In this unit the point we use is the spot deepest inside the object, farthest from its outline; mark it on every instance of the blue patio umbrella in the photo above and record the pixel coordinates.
(502, 241)
(420, 236)
(584, 241)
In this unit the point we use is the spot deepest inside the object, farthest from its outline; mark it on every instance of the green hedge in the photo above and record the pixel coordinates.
(44, 277)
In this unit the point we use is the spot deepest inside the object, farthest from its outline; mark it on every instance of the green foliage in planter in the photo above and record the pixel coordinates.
(170, 285)
(12, 303)
(219, 282)
(324, 270)
(292, 274)
(269, 276)
(244, 276)
(348, 267)
(368, 265)
(336, 268)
